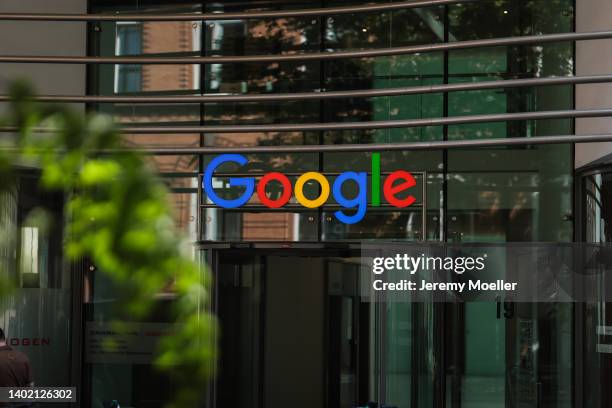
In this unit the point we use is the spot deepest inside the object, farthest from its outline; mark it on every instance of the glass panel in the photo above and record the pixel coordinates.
(128, 377)
(512, 355)
(409, 356)
(180, 38)
(597, 192)
(238, 37)
(240, 290)
(230, 225)
(36, 316)
(128, 78)
(294, 332)
(132, 380)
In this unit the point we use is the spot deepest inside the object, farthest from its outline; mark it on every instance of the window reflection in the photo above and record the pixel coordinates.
(36, 314)
(128, 78)
(596, 196)
(474, 195)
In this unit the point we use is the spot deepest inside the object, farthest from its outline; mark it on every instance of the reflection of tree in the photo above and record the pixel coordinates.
(373, 30)
(477, 20)
(504, 18)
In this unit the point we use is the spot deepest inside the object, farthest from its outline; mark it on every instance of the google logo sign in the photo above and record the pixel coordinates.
(393, 185)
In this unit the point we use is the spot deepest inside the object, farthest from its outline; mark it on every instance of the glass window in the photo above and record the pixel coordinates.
(128, 78)
(37, 314)
(510, 195)
(597, 219)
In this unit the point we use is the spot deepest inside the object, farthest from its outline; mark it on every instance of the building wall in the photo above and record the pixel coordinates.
(593, 58)
(44, 38)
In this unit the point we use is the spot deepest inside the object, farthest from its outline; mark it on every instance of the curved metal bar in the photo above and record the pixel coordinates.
(367, 93)
(314, 56)
(381, 147)
(378, 147)
(383, 124)
(366, 8)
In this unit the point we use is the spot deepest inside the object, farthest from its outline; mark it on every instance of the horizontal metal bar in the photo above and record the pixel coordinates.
(294, 207)
(296, 174)
(314, 56)
(384, 147)
(383, 124)
(366, 8)
(371, 147)
(367, 93)
(436, 173)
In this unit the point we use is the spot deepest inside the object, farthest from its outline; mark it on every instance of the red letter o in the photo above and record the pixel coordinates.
(261, 190)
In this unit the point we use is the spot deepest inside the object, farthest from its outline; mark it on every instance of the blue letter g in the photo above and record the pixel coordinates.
(360, 201)
(247, 182)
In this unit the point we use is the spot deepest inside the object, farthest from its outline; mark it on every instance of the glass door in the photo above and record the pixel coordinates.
(294, 332)
(595, 348)
(408, 354)
(290, 325)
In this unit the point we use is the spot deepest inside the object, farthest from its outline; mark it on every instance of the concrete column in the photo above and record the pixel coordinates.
(593, 58)
(44, 38)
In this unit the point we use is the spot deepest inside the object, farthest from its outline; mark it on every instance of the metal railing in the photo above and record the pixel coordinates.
(380, 147)
(314, 56)
(324, 56)
(314, 12)
(325, 95)
(365, 147)
(366, 125)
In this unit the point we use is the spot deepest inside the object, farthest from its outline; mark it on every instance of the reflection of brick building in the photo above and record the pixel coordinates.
(268, 226)
(182, 38)
(275, 226)
(168, 37)
(164, 38)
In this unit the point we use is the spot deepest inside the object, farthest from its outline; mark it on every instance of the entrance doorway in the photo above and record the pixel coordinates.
(294, 332)
(292, 329)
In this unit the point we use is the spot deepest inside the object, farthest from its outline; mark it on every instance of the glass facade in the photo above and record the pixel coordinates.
(317, 344)
(38, 314)
(595, 188)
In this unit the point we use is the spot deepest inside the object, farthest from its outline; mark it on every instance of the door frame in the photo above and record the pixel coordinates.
(211, 252)
(375, 389)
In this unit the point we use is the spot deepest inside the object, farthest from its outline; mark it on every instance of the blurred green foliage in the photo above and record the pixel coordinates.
(120, 218)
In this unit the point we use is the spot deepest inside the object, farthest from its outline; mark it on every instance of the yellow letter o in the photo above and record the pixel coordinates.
(299, 189)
